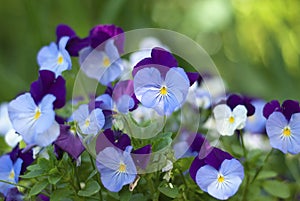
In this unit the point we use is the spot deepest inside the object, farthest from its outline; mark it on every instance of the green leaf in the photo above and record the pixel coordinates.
(60, 194)
(266, 174)
(54, 178)
(162, 141)
(276, 188)
(44, 164)
(125, 194)
(33, 174)
(38, 187)
(168, 190)
(91, 188)
(34, 167)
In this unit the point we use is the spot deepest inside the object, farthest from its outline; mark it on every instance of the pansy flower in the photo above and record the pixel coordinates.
(90, 122)
(117, 162)
(232, 115)
(283, 125)
(124, 97)
(9, 171)
(217, 173)
(55, 57)
(34, 122)
(102, 65)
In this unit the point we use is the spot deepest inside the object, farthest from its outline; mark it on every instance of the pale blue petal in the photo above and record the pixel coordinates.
(111, 73)
(5, 167)
(47, 113)
(81, 113)
(150, 98)
(48, 136)
(47, 53)
(170, 103)
(295, 130)
(125, 103)
(232, 168)
(182, 73)
(17, 169)
(228, 188)
(107, 101)
(111, 51)
(97, 119)
(63, 42)
(84, 53)
(205, 176)
(145, 79)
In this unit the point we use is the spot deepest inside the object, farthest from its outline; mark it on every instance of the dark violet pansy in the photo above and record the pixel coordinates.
(116, 161)
(217, 173)
(163, 58)
(97, 35)
(69, 142)
(47, 83)
(283, 125)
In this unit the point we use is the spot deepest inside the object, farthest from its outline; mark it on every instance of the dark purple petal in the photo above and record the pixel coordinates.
(195, 166)
(47, 84)
(136, 103)
(123, 88)
(197, 141)
(60, 120)
(42, 197)
(141, 156)
(270, 107)
(26, 156)
(76, 44)
(144, 63)
(69, 142)
(193, 77)
(13, 194)
(233, 100)
(289, 107)
(216, 157)
(163, 57)
(101, 33)
(123, 142)
(64, 30)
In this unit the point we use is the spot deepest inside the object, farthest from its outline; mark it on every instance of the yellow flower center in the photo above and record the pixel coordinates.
(122, 167)
(231, 119)
(106, 61)
(11, 174)
(60, 59)
(286, 132)
(87, 122)
(163, 90)
(221, 179)
(37, 113)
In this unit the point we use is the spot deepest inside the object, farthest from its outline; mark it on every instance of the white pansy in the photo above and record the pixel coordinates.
(227, 120)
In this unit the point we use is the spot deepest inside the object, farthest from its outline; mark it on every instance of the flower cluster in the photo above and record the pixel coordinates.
(95, 144)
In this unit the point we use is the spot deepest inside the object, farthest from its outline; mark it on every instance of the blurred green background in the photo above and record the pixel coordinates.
(255, 44)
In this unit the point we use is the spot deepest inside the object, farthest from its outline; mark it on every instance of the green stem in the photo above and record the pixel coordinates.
(98, 177)
(262, 166)
(14, 184)
(247, 180)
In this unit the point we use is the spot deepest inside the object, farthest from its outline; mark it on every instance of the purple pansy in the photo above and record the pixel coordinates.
(69, 141)
(90, 121)
(217, 173)
(116, 161)
(34, 122)
(26, 156)
(233, 100)
(162, 58)
(97, 35)
(47, 83)
(124, 97)
(161, 88)
(55, 57)
(283, 125)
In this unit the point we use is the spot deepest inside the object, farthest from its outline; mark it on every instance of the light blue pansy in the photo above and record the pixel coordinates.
(105, 66)
(283, 134)
(222, 183)
(55, 58)
(35, 123)
(89, 122)
(163, 94)
(10, 172)
(117, 168)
